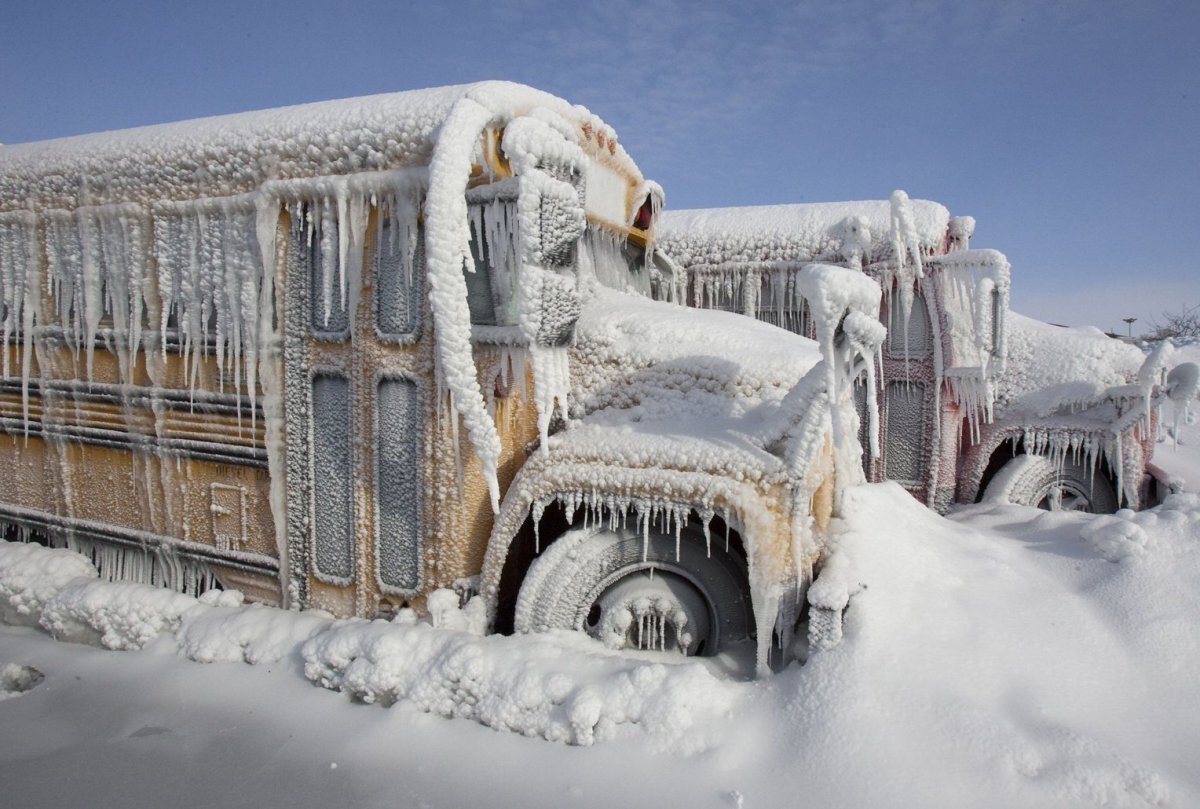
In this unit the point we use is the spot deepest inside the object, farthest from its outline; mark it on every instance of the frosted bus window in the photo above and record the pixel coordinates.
(96, 256)
(480, 299)
(397, 483)
(397, 281)
(318, 245)
(332, 477)
(919, 342)
(905, 452)
(208, 270)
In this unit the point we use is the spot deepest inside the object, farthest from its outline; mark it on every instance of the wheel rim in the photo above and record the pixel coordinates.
(655, 609)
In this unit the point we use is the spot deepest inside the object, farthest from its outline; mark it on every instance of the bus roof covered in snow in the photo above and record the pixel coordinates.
(797, 233)
(232, 154)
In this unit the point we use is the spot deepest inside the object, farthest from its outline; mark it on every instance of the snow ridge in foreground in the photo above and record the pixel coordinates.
(563, 688)
(992, 660)
(530, 684)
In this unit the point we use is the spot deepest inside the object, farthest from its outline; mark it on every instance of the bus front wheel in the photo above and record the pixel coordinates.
(635, 591)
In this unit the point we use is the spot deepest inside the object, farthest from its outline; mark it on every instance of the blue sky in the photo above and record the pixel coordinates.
(1069, 130)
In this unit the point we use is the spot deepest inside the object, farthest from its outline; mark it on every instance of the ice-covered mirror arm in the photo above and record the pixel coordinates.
(959, 233)
(548, 164)
(1153, 373)
(447, 252)
(845, 299)
(1182, 388)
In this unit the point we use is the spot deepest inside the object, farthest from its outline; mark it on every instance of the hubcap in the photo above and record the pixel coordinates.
(651, 609)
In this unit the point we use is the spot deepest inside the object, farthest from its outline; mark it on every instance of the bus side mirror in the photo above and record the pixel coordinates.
(559, 218)
(561, 222)
(560, 308)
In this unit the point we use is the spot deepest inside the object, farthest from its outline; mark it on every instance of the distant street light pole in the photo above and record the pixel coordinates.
(1129, 321)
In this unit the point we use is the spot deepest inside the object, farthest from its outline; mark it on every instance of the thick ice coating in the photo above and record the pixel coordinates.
(210, 192)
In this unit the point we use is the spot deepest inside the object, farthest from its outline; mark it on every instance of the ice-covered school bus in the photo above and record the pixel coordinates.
(973, 400)
(342, 354)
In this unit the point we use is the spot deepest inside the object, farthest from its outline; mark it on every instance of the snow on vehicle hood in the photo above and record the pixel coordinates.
(1052, 367)
(658, 384)
(666, 360)
(800, 233)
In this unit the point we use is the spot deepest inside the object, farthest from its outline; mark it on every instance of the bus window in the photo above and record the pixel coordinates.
(480, 297)
(616, 262)
(904, 455)
(316, 240)
(398, 483)
(780, 304)
(332, 470)
(397, 281)
(919, 342)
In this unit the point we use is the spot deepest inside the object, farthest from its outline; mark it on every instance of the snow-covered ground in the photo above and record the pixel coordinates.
(1000, 657)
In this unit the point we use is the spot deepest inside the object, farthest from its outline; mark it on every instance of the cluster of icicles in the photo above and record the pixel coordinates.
(1085, 448)
(162, 566)
(613, 512)
(212, 289)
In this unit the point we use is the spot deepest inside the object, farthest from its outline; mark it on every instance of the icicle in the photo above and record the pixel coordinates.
(324, 224)
(18, 261)
(20, 266)
(906, 239)
(343, 234)
(872, 395)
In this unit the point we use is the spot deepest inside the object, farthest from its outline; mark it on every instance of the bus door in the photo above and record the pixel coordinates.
(355, 460)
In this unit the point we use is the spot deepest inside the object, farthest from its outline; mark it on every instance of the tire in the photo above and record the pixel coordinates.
(636, 593)
(1034, 480)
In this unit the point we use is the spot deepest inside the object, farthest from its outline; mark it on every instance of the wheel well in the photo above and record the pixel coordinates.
(1014, 446)
(528, 544)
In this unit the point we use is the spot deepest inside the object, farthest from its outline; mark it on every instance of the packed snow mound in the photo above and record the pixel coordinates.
(971, 658)
(561, 687)
(1127, 533)
(446, 612)
(251, 634)
(16, 679)
(991, 660)
(116, 615)
(1051, 367)
(31, 575)
(826, 231)
(1115, 536)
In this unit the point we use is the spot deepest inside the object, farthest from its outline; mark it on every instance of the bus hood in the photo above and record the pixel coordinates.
(640, 360)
